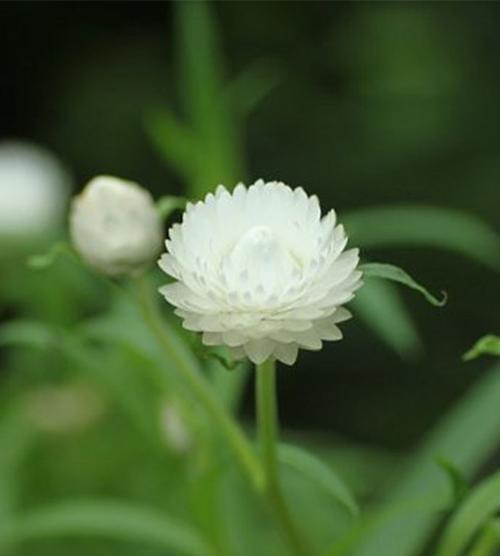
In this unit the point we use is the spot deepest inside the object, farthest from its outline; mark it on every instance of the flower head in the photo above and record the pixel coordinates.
(114, 225)
(259, 270)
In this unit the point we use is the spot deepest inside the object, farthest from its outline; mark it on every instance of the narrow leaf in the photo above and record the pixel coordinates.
(314, 469)
(482, 503)
(380, 306)
(487, 345)
(425, 226)
(174, 141)
(396, 274)
(104, 518)
(253, 84)
(458, 483)
(467, 435)
(42, 261)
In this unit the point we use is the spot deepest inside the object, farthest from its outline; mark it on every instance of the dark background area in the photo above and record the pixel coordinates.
(378, 103)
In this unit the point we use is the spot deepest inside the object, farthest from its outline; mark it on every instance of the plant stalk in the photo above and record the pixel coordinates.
(267, 424)
(188, 367)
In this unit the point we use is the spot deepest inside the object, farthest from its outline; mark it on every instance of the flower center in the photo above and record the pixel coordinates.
(259, 264)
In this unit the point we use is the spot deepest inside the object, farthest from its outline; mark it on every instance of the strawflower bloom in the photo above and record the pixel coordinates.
(115, 226)
(260, 271)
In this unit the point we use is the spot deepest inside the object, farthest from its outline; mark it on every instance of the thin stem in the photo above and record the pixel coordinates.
(187, 366)
(267, 423)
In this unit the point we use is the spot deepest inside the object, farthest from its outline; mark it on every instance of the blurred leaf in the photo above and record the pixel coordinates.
(30, 333)
(487, 345)
(488, 540)
(104, 518)
(379, 304)
(174, 141)
(467, 435)
(482, 503)
(396, 274)
(313, 468)
(167, 204)
(425, 226)
(458, 483)
(16, 437)
(200, 65)
(47, 259)
(253, 84)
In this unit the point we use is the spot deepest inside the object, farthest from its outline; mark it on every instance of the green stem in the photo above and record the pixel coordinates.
(267, 423)
(187, 366)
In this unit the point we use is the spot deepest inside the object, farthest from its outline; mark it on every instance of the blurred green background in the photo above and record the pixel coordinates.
(363, 103)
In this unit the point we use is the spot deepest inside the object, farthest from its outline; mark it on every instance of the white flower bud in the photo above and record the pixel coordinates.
(115, 226)
(34, 188)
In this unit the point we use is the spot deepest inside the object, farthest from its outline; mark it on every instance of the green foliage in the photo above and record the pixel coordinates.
(104, 518)
(482, 503)
(422, 226)
(396, 329)
(396, 274)
(307, 464)
(487, 345)
(467, 435)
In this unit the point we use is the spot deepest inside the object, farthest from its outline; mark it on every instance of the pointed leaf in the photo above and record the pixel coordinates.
(396, 274)
(313, 468)
(458, 483)
(487, 345)
(174, 141)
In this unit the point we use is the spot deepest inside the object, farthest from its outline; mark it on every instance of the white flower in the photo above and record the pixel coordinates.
(34, 188)
(260, 271)
(115, 226)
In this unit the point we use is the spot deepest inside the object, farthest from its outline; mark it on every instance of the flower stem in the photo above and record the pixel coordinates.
(267, 423)
(188, 367)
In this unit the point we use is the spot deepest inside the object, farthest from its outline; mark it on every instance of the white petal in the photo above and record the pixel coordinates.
(286, 353)
(259, 350)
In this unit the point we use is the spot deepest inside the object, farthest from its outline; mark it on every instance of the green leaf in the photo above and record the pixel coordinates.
(425, 226)
(104, 518)
(458, 483)
(201, 82)
(482, 503)
(379, 305)
(167, 204)
(467, 435)
(311, 467)
(396, 274)
(27, 332)
(47, 259)
(487, 345)
(488, 540)
(253, 84)
(175, 142)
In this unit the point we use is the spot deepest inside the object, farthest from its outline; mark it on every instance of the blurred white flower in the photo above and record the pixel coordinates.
(175, 429)
(34, 188)
(260, 271)
(115, 226)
